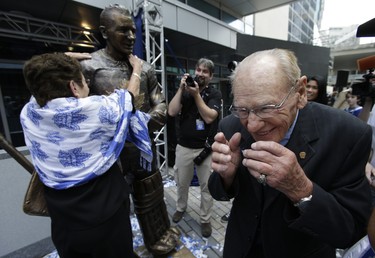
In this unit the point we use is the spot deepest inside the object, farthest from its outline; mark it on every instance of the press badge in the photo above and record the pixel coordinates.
(199, 124)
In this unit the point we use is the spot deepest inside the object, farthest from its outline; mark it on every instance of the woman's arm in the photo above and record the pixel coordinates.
(135, 78)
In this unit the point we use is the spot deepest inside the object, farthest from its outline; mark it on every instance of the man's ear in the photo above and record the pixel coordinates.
(302, 101)
(103, 31)
(74, 88)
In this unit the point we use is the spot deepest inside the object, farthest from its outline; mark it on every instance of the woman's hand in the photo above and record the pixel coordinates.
(136, 63)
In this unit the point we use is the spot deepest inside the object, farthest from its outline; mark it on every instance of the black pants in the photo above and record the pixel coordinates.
(112, 238)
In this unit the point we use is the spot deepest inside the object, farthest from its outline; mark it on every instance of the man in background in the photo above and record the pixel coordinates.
(198, 105)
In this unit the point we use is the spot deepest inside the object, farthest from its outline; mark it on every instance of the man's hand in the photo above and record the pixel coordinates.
(370, 174)
(281, 168)
(226, 157)
(192, 90)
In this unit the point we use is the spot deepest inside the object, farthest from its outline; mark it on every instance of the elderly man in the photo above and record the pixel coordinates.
(295, 169)
(113, 68)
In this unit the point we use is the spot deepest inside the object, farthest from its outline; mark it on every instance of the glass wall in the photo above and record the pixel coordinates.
(14, 95)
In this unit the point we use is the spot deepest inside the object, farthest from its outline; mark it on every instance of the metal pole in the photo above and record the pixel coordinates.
(18, 156)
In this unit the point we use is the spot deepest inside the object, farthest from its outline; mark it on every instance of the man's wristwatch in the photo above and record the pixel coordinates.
(302, 204)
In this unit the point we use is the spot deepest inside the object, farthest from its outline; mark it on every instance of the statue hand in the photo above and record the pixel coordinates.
(78, 56)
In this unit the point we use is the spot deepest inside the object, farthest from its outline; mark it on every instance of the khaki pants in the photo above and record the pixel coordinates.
(184, 172)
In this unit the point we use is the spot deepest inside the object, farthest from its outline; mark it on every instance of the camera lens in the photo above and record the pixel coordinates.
(190, 81)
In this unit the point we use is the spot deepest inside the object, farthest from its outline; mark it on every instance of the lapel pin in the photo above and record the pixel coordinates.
(302, 154)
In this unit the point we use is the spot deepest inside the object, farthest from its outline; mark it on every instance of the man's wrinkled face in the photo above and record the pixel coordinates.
(120, 35)
(254, 90)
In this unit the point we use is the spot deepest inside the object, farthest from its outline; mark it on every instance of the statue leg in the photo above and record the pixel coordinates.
(151, 211)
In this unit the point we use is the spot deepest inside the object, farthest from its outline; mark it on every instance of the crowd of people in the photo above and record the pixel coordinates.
(297, 170)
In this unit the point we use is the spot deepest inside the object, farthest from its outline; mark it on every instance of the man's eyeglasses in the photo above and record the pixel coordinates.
(265, 111)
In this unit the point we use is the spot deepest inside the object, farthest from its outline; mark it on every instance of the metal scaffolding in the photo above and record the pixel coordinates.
(154, 46)
(29, 28)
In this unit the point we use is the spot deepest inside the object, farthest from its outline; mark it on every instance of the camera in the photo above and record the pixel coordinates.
(366, 88)
(203, 154)
(232, 66)
(190, 81)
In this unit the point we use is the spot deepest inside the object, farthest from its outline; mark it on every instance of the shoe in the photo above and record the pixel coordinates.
(165, 244)
(177, 216)
(206, 229)
(175, 231)
(225, 218)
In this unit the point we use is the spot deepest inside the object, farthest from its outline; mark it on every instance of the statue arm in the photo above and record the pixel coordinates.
(158, 110)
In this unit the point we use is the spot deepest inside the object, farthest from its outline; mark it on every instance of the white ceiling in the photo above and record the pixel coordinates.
(247, 7)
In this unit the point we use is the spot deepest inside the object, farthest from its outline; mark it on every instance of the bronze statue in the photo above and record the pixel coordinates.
(110, 68)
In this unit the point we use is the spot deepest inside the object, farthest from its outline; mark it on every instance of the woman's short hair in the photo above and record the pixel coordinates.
(48, 76)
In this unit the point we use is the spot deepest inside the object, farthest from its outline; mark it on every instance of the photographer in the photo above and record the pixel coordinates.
(198, 105)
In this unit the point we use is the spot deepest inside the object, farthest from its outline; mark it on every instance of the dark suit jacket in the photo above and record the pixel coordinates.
(332, 147)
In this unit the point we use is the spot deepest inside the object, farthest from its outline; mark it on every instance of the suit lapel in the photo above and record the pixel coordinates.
(303, 134)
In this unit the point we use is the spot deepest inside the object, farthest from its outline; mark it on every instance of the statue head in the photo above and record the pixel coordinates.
(118, 29)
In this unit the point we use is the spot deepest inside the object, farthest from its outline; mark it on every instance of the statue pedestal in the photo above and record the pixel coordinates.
(181, 251)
